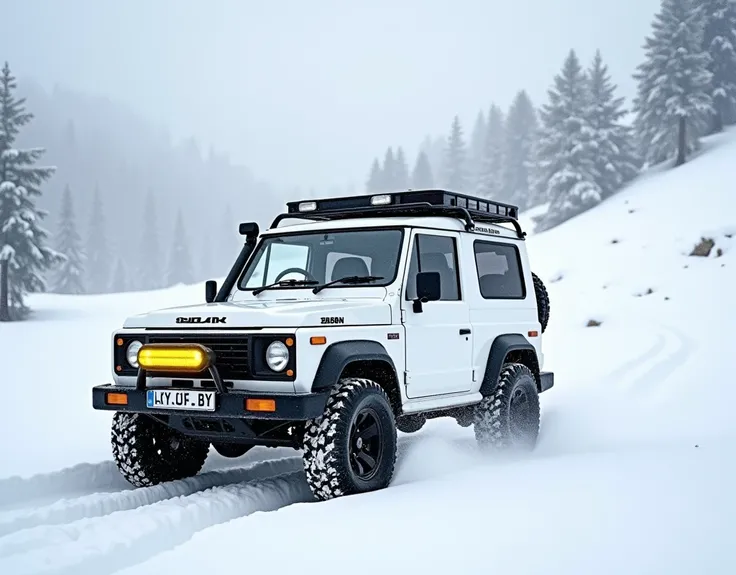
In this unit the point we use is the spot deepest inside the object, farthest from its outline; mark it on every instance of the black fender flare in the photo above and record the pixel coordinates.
(500, 348)
(341, 354)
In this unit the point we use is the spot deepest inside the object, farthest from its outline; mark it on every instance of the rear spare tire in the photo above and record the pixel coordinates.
(540, 292)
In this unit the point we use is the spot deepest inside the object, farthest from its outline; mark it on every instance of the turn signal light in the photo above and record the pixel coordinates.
(175, 357)
(533, 333)
(260, 404)
(318, 340)
(117, 399)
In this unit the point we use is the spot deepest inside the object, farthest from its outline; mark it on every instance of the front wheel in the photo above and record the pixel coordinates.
(351, 448)
(148, 452)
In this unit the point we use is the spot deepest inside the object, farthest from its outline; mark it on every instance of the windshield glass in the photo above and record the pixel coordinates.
(325, 256)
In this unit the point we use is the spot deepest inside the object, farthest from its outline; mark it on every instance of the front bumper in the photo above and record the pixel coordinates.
(289, 406)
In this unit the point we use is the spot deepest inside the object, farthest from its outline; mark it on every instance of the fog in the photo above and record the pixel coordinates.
(307, 93)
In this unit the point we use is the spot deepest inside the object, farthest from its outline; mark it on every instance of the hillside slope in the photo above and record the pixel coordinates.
(633, 472)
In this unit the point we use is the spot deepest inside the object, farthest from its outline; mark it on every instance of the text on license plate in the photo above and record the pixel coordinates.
(180, 399)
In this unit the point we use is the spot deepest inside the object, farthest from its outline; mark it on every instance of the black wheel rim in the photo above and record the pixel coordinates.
(366, 446)
(520, 419)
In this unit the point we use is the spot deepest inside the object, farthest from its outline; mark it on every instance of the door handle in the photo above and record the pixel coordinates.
(465, 331)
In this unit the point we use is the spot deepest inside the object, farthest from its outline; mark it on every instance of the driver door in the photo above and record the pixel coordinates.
(438, 340)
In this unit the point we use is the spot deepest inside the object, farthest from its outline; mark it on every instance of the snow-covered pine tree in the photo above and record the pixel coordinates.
(565, 155)
(24, 254)
(615, 158)
(421, 177)
(374, 178)
(69, 276)
(97, 251)
(490, 184)
(149, 276)
(119, 280)
(520, 132)
(719, 41)
(388, 170)
(477, 150)
(673, 103)
(180, 260)
(206, 270)
(401, 171)
(456, 165)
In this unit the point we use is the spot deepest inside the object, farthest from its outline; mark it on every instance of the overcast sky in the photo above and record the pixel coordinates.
(307, 92)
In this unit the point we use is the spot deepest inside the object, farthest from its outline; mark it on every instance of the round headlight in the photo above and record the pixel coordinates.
(277, 356)
(132, 353)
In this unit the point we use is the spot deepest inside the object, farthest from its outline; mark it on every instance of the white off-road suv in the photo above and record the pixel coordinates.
(348, 319)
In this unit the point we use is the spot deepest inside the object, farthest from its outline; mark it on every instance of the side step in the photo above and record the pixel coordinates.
(546, 380)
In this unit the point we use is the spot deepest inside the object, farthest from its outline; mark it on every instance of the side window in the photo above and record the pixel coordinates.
(499, 271)
(434, 254)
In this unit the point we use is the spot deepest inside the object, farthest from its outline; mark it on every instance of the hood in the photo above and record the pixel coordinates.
(292, 314)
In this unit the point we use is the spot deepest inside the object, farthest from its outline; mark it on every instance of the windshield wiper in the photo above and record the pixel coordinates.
(285, 283)
(347, 280)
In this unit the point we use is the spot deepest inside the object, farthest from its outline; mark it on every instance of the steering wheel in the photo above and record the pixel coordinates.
(306, 274)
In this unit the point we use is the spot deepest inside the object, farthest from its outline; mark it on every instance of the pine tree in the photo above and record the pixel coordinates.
(149, 276)
(673, 104)
(69, 277)
(180, 260)
(456, 169)
(719, 41)
(477, 149)
(24, 255)
(387, 173)
(565, 153)
(421, 177)
(375, 178)
(401, 171)
(120, 282)
(490, 184)
(98, 251)
(520, 132)
(206, 271)
(615, 160)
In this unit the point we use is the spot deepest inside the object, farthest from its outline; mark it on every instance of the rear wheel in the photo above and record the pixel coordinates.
(148, 452)
(509, 418)
(351, 448)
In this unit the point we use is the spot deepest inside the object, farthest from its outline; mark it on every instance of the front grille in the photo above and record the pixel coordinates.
(231, 352)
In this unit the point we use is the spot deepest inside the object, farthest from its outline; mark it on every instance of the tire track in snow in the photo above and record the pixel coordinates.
(656, 375)
(86, 477)
(106, 544)
(95, 505)
(632, 365)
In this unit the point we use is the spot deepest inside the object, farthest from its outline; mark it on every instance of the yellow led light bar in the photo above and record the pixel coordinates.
(190, 357)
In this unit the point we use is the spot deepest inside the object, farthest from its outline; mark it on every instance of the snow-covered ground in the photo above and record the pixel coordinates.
(634, 471)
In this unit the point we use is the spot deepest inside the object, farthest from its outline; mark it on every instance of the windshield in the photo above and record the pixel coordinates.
(320, 257)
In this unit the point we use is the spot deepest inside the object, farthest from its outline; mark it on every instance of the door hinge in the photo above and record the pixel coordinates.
(403, 316)
(473, 375)
(407, 378)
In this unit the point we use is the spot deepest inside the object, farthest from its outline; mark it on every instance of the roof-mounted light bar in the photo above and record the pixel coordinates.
(436, 198)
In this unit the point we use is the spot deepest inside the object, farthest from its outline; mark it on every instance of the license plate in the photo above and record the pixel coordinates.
(186, 399)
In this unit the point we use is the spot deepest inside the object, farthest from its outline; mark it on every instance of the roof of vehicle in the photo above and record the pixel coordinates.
(432, 222)
(432, 209)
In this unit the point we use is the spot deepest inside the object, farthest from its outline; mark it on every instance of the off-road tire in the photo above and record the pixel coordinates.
(148, 452)
(410, 423)
(328, 447)
(543, 305)
(501, 423)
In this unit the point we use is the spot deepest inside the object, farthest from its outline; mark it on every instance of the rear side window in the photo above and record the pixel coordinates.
(499, 271)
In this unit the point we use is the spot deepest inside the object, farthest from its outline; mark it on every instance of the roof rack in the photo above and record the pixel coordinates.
(440, 203)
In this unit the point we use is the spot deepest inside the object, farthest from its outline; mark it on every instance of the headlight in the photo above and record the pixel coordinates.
(277, 356)
(131, 353)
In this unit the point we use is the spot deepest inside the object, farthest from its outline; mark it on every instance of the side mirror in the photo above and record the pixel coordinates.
(210, 291)
(429, 288)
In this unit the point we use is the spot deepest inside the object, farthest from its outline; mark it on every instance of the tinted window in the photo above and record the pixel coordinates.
(499, 271)
(434, 254)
